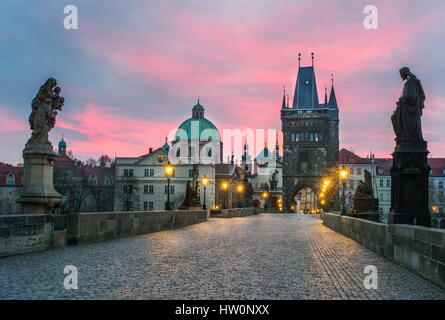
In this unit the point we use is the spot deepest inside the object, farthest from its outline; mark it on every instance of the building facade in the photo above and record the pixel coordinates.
(10, 188)
(310, 141)
(141, 183)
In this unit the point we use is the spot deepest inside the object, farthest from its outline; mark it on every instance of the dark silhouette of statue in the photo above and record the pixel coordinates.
(363, 197)
(406, 120)
(410, 169)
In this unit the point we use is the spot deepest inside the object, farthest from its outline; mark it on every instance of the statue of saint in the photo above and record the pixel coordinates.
(406, 118)
(43, 116)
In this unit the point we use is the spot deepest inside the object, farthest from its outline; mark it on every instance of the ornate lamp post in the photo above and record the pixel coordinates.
(204, 182)
(169, 169)
(343, 178)
(225, 187)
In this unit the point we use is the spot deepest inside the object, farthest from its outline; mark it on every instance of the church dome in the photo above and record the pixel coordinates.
(197, 127)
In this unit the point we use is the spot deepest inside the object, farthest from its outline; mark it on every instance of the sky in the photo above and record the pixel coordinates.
(132, 70)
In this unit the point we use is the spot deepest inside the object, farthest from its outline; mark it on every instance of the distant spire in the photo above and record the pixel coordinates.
(284, 98)
(198, 100)
(288, 101)
(312, 56)
(299, 60)
(332, 98)
(325, 95)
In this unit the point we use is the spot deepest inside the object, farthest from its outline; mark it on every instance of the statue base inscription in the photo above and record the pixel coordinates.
(409, 188)
(39, 195)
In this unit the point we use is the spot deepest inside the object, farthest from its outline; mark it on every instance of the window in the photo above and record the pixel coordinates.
(359, 171)
(146, 171)
(152, 172)
(381, 182)
(150, 189)
(10, 179)
(150, 205)
(145, 189)
(381, 195)
(293, 137)
(125, 172)
(388, 183)
(128, 189)
(130, 172)
(165, 189)
(145, 205)
(190, 173)
(316, 137)
(311, 137)
(297, 137)
(172, 189)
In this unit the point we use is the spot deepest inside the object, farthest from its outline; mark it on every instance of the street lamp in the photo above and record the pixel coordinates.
(225, 186)
(169, 169)
(343, 177)
(204, 182)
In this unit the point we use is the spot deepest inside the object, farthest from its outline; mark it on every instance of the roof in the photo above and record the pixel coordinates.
(383, 166)
(5, 169)
(197, 129)
(225, 169)
(332, 99)
(437, 166)
(348, 157)
(305, 96)
(198, 106)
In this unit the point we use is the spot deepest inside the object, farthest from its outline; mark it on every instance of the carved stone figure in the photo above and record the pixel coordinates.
(406, 120)
(364, 189)
(410, 169)
(43, 115)
(39, 195)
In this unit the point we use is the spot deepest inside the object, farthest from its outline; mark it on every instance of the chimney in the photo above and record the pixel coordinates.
(150, 150)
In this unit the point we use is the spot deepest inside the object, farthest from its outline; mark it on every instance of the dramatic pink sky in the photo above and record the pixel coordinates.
(133, 70)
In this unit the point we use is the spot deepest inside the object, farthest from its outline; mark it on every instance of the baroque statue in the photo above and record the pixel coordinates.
(410, 169)
(406, 120)
(43, 115)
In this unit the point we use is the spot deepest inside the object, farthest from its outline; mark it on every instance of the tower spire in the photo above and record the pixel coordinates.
(325, 95)
(299, 60)
(284, 98)
(312, 57)
(332, 98)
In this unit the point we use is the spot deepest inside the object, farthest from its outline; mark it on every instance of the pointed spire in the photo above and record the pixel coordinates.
(299, 60)
(288, 101)
(332, 98)
(312, 57)
(284, 98)
(325, 95)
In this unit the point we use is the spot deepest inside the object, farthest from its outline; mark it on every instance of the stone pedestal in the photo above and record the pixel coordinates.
(409, 188)
(39, 195)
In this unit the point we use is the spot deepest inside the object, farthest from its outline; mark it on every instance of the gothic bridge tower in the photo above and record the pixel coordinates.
(310, 141)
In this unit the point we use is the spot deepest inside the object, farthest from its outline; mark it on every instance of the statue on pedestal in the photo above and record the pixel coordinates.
(410, 169)
(39, 195)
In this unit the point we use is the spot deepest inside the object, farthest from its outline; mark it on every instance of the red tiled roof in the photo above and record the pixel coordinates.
(346, 157)
(437, 166)
(6, 168)
(383, 164)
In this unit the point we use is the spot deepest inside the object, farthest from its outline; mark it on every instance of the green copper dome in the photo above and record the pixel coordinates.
(193, 128)
(197, 127)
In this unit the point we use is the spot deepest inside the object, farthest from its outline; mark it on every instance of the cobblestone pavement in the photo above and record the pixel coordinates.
(258, 257)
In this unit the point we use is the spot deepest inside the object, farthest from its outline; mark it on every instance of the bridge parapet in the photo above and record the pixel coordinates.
(419, 249)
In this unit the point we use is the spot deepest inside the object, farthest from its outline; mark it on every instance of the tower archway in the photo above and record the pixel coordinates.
(305, 200)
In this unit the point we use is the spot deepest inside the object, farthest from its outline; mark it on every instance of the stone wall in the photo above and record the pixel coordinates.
(23, 233)
(230, 213)
(100, 226)
(419, 249)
